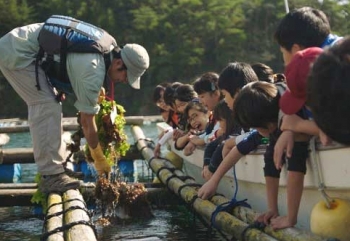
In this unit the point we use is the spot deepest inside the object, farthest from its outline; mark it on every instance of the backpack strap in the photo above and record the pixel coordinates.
(38, 59)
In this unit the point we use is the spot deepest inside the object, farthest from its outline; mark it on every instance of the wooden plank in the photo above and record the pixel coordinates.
(70, 123)
(25, 155)
(17, 155)
(16, 197)
(55, 221)
(80, 231)
(18, 186)
(17, 192)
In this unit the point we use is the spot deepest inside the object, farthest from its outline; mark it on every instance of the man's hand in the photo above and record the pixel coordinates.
(100, 161)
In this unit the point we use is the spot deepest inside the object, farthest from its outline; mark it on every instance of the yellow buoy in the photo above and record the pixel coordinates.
(175, 159)
(333, 222)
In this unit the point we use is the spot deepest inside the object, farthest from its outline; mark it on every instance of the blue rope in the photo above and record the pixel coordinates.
(230, 204)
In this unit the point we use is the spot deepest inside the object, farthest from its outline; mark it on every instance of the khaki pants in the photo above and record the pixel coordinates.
(44, 117)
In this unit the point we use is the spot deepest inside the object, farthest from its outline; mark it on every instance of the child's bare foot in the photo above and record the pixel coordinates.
(265, 217)
(281, 222)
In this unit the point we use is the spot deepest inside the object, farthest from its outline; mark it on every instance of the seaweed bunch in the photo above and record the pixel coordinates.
(106, 191)
(130, 192)
(110, 124)
(130, 199)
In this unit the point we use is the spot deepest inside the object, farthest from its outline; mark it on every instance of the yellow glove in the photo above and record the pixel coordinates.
(100, 161)
(102, 95)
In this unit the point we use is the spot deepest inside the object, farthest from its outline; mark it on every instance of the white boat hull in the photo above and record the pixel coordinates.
(334, 164)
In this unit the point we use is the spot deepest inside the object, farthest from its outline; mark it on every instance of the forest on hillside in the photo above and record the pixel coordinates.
(184, 38)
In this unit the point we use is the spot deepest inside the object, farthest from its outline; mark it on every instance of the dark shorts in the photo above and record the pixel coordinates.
(296, 163)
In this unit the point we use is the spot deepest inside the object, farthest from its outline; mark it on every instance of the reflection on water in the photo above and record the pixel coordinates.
(19, 224)
(167, 224)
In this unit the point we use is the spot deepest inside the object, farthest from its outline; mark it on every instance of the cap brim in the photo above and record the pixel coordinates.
(290, 104)
(134, 81)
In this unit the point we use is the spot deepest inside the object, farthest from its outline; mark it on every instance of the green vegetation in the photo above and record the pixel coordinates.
(183, 37)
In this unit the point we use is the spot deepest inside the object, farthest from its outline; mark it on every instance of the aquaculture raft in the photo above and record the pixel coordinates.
(239, 223)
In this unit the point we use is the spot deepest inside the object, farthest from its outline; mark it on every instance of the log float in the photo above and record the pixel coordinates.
(54, 201)
(244, 214)
(77, 216)
(70, 123)
(67, 219)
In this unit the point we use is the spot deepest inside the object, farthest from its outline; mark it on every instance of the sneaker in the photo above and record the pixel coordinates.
(57, 183)
(71, 173)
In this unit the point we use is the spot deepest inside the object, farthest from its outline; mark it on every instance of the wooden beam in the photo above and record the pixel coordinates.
(70, 123)
(16, 155)
(25, 155)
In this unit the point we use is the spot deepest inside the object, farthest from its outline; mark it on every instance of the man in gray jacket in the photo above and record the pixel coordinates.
(86, 72)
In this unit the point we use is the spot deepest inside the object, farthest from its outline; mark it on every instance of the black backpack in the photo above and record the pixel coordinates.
(61, 35)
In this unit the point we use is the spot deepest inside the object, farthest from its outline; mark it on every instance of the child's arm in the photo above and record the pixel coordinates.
(229, 144)
(182, 141)
(242, 148)
(209, 188)
(297, 124)
(196, 140)
(165, 137)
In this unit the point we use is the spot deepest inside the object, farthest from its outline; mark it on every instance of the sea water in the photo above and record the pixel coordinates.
(170, 222)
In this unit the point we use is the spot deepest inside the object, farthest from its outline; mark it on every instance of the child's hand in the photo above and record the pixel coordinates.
(189, 149)
(325, 140)
(285, 143)
(266, 217)
(206, 174)
(208, 189)
(177, 133)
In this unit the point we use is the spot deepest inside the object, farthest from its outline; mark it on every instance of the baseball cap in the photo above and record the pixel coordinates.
(296, 73)
(136, 60)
